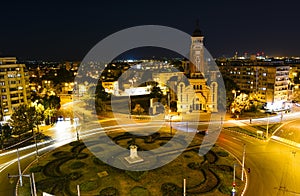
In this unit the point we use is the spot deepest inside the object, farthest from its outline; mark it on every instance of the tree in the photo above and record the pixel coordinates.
(100, 92)
(240, 104)
(230, 86)
(51, 105)
(156, 92)
(138, 109)
(5, 131)
(25, 118)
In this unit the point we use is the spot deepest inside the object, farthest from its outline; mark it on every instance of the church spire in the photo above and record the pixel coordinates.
(197, 32)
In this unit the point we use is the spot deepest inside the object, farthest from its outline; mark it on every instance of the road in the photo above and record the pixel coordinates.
(275, 167)
(290, 131)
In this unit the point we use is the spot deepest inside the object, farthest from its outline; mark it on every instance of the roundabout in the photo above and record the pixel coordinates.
(60, 171)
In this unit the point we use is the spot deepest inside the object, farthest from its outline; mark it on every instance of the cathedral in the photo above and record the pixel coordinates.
(198, 90)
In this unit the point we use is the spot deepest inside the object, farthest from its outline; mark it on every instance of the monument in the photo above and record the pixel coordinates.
(133, 157)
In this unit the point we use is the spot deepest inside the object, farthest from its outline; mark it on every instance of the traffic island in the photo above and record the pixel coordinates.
(60, 171)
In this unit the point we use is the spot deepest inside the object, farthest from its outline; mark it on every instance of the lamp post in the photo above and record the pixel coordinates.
(243, 163)
(31, 181)
(171, 124)
(76, 128)
(267, 130)
(36, 147)
(129, 103)
(233, 191)
(2, 142)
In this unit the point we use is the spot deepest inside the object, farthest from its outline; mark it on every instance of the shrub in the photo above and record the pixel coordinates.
(222, 153)
(136, 175)
(225, 168)
(138, 191)
(211, 157)
(36, 169)
(61, 154)
(74, 175)
(195, 165)
(169, 189)
(97, 161)
(89, 186)
(225, 189)
(77, 165)
(81, 156)
(109, 191)
(75, 143)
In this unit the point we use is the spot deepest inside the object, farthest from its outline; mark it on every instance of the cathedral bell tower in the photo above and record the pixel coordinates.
(197, 53)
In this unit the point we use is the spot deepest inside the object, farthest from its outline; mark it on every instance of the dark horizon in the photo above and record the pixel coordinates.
(62, 31)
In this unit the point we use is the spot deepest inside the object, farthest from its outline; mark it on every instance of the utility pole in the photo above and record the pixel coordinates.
(243, 163)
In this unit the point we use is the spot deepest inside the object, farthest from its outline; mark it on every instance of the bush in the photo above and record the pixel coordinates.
(89, 186)
(81, 156)
(74, 175)
(61, 154)
(138, 191)
(211, 157)
(169, 189)
(136, 175)
(225, 189)
(109, 191)
(97, 161)
(225, 168)
(195, 165)
(75, 143)
(36, 169)
(222, 153)
(77, 165)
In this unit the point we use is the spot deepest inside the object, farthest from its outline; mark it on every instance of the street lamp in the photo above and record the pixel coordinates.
(31, 181)
(76, 128)
(170, 124)
(233, 183)
(267, 130)
(243, 163)
(2, 142)
(36, 146)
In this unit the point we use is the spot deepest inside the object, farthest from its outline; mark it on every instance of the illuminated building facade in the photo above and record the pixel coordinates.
(198, 93)
(14, 86)
(267, 80)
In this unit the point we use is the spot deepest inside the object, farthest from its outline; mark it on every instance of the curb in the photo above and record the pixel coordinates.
(245, 173)
(246, 135)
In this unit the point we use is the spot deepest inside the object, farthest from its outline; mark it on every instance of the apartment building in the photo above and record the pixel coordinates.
(267, 79)
(14, 86)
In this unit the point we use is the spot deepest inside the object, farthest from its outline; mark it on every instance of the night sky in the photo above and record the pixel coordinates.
(67, 31)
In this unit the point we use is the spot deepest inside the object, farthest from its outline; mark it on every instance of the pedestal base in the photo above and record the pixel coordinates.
(132, 160)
